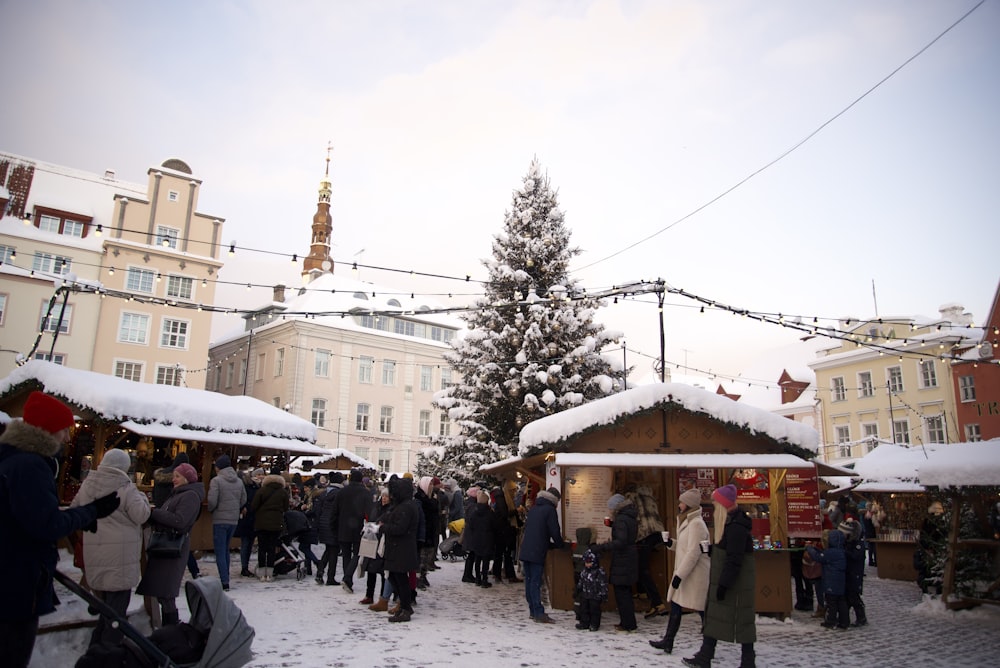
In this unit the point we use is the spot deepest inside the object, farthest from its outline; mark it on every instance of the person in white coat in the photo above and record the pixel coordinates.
(112, 556)
(689, 585)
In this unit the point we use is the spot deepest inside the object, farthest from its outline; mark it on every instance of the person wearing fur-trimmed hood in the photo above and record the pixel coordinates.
(541, 532)
(269, 506)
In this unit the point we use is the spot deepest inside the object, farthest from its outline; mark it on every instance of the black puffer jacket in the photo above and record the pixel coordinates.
(479, 531)
(624, 553)
(399, 525)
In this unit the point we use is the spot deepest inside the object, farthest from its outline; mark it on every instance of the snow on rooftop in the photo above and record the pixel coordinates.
(120, 400)
(606, 411)
(963, 464)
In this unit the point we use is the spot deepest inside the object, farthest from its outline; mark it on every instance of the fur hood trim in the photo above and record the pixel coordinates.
(273, 478)
(551, 498)
(26, 437)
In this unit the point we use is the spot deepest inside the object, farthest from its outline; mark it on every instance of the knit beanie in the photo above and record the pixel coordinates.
(188, 472)
(46, 412)
(691, 498)
(555, 492)
(355, 475)
(482, 497)
(615, 501)
(116, 458)
(851, 529)
(725, 496)
(223, 462)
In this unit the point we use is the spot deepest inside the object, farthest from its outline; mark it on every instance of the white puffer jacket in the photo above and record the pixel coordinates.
(111, 556)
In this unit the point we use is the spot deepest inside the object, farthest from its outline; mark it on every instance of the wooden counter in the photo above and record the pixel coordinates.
(774, 580)
(895, 559)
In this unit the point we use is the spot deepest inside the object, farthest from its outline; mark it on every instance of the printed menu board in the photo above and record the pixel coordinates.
(802, 496)
(585, 500)
(704, 481)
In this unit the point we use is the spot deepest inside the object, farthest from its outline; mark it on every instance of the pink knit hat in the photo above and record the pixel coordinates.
(188, 472)
(725, 496)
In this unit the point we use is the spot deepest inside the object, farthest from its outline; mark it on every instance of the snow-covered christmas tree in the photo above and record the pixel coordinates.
(533, 347)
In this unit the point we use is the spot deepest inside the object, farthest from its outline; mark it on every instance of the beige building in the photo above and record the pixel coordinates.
(890, 379)
(360, 361)
(105, 275)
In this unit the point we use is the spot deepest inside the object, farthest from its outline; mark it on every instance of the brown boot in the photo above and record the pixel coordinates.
(394, 609)
(381, 605)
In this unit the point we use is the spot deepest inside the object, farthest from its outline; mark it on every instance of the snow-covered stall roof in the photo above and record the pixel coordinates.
(891, 467)
(173, 412)
(673, 460)
(555, 429)
(963, 465)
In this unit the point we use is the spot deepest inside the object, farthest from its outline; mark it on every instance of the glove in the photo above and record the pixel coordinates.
(676, 582)
(92, 527)
(720, 593)
(669, 542)
(107, 504)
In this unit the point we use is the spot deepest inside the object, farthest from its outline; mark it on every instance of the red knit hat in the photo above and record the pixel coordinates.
(725, 496)
(46, 412)
(188, 472)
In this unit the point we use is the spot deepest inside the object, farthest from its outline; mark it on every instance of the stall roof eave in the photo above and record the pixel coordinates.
(159, 430)
(890, 487)
(667, 460)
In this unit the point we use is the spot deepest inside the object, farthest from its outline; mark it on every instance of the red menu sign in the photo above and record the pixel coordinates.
(802, 495)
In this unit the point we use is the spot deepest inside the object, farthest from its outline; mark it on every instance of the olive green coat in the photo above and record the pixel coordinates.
(733, 618)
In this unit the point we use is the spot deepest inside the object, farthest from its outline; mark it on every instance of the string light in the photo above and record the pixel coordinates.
(232, 249)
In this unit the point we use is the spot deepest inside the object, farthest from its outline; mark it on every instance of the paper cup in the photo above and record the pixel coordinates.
(665, 535)
(703, 545)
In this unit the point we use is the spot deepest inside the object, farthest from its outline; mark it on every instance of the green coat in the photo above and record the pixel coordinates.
(733, 618)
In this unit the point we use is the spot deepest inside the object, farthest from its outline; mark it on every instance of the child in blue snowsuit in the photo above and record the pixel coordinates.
(592, 589)
(834, 562)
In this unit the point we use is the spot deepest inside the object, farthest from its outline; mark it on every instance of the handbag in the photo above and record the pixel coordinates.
(370, 540)
(165, 544)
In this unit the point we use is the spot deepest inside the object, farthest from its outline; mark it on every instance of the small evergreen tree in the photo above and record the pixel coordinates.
(532, 347)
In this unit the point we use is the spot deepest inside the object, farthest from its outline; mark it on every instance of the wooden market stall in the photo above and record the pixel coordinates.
(671, 438)
(155, 422)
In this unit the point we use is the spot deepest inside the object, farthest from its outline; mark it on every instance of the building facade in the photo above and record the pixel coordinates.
(361, 362)
(891, 379)
(106, 275)
(976, 379)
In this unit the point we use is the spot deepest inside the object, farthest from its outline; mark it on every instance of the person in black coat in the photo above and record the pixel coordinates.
(480, 539)
(244, 528)
(854, 551)
(351, 506)
(399, 526)
(505, 535)
(31, 521)
(541, 531)
(624, 558)
(326, 529)
(426, 494)
(163, 487)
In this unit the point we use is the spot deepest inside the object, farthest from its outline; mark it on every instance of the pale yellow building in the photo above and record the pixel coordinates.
(360, 361)
(890, 379)
(106, 275)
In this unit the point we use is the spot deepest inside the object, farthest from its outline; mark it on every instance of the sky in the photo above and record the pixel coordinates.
(645, 115)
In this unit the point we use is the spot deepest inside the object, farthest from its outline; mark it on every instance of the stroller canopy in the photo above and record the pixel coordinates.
(214, 614)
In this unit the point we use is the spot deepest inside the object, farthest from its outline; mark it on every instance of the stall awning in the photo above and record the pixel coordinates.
(160, 430)
(682, 461)
(888, 486)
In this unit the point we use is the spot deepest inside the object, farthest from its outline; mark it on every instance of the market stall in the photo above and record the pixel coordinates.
(671, 438)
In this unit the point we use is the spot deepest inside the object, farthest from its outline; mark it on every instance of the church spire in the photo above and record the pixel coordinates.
(319, 259)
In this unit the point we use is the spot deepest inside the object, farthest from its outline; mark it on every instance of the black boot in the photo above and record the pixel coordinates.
(170, 618)
(748, 657)
(667, 642)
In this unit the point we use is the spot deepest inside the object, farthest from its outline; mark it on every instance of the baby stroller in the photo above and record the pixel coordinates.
(289, 558)
(217, 636)
(451, 549)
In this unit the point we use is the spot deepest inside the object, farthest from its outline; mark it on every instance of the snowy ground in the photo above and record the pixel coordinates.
(303, 624)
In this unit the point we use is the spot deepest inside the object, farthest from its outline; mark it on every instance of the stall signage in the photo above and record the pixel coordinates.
(802, 495)
(752, 485)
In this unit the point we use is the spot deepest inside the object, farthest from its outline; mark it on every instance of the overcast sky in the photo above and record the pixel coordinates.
(641, 113)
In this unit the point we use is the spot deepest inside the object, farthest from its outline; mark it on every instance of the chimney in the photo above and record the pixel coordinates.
(109, 174)
(279, 293)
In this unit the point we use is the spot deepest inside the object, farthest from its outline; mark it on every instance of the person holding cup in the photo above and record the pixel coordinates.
(689, 585)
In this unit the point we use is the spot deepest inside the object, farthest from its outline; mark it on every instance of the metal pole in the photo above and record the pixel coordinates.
(892, 423)
(624, 368)
(246, 367)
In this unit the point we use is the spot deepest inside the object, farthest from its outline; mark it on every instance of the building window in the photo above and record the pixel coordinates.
(865, 386)
(928, 374)
(61, 224)
(389, 372)
(230, 373)
(385, 420)
(3, 307)
(870, 434)
(321, 367)
(258, 373)
(973, 433)
(967, 388)
(426, 378)
(133, 328)
(279, 361)
(168, 375)
(901, 431)
(935, 429)
(424, 425)
(173, 195)
(241, 372)
(444, 425)
(366, 366)
(837, 391)
(384, 460)
(167, 236)
(51, 264)
(842, 433)
(319, 412)
(57, 319)
(140, 280)
(174, 333)
(7, 254)
(362, 452)
(56, 358)
(403, 327)
(445, 378)
(894, 375)
(363, 417)
(181, 287)
(129, 371)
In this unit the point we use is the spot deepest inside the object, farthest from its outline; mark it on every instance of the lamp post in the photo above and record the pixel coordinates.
(624, 368)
